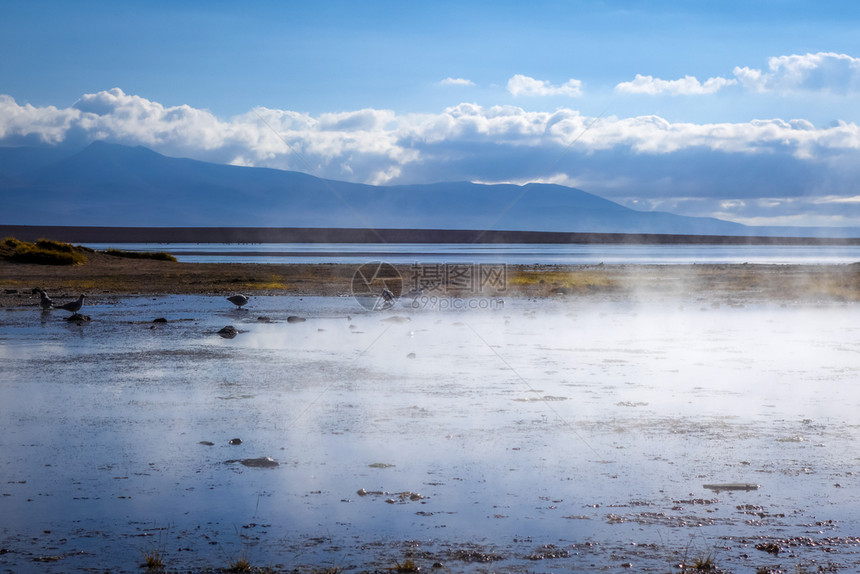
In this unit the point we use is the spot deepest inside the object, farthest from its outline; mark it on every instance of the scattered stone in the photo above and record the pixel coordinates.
(228, 332)
(380, 465)
(295, 319)
(160, 320)
(262, 462)
(78, 318)
(411, 356)
(264, 319)
(732, 486)
(235, 441)
(397, 319)
(548, 552)
(206, 443)
(401, 497)
(11, 291)
(768, 547)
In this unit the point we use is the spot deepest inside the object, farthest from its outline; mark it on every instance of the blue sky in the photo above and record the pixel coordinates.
(741, 110)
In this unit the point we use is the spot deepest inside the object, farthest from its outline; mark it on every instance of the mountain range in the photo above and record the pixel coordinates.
(107, 184)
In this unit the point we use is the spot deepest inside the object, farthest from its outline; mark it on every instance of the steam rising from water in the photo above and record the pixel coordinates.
(556, 422)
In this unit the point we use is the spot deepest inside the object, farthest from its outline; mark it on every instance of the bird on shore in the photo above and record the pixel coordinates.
(46, 302)
(238, 300)
(73, 306)
(387, 295)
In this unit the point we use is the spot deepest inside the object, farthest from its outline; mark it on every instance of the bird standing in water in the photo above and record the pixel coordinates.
(46, 302)
(73, 306)
(238, 300)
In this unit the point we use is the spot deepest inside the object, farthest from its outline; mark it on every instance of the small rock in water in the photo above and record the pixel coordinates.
(262, 462)
(206, 443)
(732, 486)
(235, 441)
(160, 320)
(397, 319)
(295, 319)
(78, 318)
(228, 332)
(411, 356)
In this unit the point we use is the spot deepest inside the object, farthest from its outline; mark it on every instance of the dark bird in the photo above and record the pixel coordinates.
(73, 306)
(238, 300)
(46, 302)
(387, 295)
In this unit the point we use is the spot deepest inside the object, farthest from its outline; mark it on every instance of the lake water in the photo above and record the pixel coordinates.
(564, 435)
(481, 253)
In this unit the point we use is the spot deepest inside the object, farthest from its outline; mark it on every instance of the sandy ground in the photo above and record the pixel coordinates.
(103, 275)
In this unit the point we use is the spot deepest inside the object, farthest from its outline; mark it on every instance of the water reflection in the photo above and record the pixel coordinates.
(543, 423)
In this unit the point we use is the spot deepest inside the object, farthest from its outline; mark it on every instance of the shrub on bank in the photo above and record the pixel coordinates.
(158, 256)
(51, 245)
(43, 252)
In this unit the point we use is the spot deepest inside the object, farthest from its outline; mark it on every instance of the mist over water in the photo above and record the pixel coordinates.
(577, 430)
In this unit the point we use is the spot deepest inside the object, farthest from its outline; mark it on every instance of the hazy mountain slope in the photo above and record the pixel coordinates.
(114, 185)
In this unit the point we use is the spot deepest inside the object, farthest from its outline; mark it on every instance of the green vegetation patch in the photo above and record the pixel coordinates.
(43, 252)
(158, 256)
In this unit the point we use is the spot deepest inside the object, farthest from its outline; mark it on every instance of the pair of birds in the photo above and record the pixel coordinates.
(75, 306)
(72, 306)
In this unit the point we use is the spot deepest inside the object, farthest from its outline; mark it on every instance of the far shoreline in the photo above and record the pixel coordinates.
(115, 234)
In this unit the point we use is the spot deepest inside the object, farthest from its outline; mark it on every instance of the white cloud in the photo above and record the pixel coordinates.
(456, 82)
(823, 71)
(643, 158)
(520, 85)
(686, 86)
(20, 125)
(268, 136)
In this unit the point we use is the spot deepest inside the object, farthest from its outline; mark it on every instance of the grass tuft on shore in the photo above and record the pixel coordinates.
(43, 252)
(157, 256)
(580, 282)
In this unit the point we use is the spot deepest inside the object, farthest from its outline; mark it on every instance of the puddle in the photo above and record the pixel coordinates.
(567, 436)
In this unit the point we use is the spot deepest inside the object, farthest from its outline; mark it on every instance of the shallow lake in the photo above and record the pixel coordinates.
(562, 435)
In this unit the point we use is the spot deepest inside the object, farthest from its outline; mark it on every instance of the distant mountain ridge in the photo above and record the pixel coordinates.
(113, 185)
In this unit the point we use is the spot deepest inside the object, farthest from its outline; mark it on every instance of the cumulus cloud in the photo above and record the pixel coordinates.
(686, 86)
(456, 82)
(642, 161)
(520, 85)
(823, 71)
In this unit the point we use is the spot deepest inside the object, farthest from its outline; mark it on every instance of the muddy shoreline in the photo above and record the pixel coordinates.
(104, 275)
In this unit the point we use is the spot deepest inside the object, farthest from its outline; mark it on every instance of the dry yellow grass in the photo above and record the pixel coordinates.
(577, 280)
